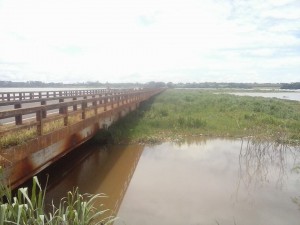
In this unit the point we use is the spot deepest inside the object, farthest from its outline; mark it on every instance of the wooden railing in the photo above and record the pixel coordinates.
(93, 102)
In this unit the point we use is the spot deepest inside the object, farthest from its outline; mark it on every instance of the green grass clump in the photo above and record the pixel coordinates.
(16, 138)
(178, 113)
(28, 208)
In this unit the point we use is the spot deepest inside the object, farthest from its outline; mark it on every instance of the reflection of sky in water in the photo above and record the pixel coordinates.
(204, 183)
(282, 95)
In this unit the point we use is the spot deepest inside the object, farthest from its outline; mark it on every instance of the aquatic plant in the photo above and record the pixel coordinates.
(28, 207)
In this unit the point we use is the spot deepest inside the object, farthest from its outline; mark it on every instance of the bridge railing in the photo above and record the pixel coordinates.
(12, 98)
(67, 113)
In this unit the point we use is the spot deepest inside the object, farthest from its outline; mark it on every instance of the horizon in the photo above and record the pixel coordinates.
(141, 83)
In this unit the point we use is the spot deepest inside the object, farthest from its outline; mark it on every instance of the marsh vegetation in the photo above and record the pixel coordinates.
(177, 113)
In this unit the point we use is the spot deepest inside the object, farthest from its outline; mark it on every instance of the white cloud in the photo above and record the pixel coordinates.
(143, 40)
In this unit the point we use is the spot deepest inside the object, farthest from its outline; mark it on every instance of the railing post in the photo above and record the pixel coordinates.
(74, 106)
(65, 113)
(105, 102)
(121, 98)
(118, 100)
(83, 107)
(39, 126)
(18, 118)
(61, 108)
(95, 105)
(44, 112)
(112, 99)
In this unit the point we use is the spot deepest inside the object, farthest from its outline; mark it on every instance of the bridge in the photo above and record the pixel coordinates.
(38, 128)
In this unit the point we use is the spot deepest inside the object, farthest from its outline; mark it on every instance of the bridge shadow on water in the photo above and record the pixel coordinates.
(94, 169)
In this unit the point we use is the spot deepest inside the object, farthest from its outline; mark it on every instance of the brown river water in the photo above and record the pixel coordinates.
(204, 181)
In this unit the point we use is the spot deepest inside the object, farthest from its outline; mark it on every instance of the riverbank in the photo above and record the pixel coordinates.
(178, 113)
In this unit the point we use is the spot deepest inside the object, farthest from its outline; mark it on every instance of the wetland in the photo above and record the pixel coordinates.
(192, 157)
(179, 113)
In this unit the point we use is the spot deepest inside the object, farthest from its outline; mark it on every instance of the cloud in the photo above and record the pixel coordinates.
(184, 40)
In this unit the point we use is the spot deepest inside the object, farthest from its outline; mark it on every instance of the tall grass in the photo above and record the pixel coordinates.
(21, 136)
(16, 138)
(28, 208)
(176, 113)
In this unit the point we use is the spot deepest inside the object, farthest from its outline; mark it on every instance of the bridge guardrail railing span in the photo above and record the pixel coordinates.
(52, 130)
(15, 98)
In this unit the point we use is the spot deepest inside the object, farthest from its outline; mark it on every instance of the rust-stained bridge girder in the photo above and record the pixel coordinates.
(81, 114)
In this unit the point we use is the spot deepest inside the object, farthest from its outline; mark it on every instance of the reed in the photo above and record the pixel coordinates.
(28, 207)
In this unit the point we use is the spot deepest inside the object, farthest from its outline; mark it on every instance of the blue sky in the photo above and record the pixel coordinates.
(145, 40)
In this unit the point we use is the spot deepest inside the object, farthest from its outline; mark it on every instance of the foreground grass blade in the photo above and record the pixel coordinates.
(75, 209)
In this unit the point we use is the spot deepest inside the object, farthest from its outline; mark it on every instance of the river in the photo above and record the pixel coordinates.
(287, 95)
(201, 181)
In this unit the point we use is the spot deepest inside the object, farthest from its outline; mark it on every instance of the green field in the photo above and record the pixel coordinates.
(177, 113)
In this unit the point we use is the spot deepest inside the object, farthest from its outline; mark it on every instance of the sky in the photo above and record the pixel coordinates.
(150, 40)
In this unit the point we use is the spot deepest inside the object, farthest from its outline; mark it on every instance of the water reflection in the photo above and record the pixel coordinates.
(196, 181)
(288, 95)
(214, 182)
(104, 170)
(262, 162)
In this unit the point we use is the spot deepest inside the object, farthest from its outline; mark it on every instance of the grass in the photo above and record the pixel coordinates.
(17, 137)
(20, 137)
(29, 208)
(178, 113)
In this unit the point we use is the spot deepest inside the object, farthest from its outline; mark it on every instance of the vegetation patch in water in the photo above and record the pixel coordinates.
(177, 113)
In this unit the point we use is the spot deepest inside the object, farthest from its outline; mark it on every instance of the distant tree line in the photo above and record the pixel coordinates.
(29, 84)
(90, 84)
(291, 86)
(224, 85)
(97, 84)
